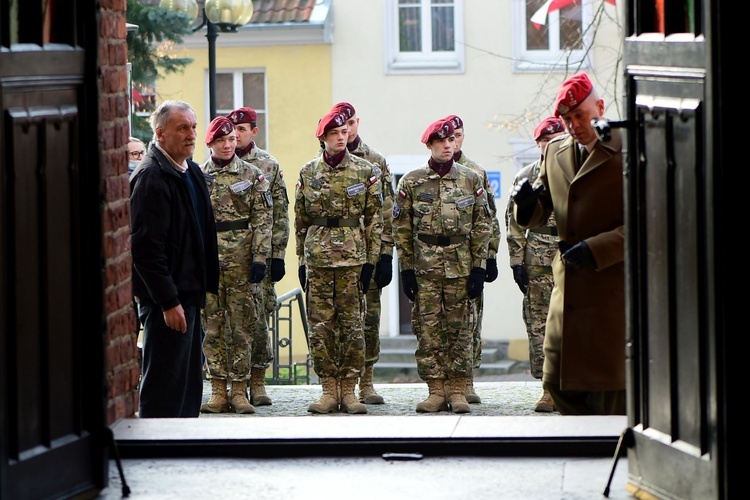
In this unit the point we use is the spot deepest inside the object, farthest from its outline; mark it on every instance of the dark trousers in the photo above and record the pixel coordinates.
(172, 372)
(587, 402)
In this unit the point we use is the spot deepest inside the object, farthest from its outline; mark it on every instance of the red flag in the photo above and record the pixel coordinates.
(539, 18)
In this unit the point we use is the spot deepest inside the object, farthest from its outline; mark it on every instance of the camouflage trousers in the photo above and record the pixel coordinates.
(335, 306)
(478, 305)
(535, 308)
(372, 324)
(231, 318)
(261, 351)
(443, 321)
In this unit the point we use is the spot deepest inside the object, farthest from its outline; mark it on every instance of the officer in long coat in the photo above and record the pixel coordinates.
(582, 181)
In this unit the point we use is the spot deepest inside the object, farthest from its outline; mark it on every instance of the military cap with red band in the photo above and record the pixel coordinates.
(344, 108)
(438, 130)
(573, 92)
(333, 119)
(219, 127)
(549, 126)
(243, 115)
(455, 120)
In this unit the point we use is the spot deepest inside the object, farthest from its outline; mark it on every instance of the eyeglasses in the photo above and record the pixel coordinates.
(136, 154)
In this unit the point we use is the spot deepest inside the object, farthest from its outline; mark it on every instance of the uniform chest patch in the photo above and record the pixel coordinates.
(210, 178)
(241, 186)
(465, 202)
(428, 197)
(316, 184)
(356, 189)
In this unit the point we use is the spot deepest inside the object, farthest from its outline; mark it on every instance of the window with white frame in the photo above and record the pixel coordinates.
(238, 88)
(424, 37)
(547, 38)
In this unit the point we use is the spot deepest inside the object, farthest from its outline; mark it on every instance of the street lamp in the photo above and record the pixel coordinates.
(218, 15)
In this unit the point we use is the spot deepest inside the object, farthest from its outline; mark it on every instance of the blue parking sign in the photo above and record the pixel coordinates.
(494, 178)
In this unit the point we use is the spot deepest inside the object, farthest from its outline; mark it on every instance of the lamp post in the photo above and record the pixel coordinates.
(217, 15)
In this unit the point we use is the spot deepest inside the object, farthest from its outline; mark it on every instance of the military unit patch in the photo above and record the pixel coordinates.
(356, 189)
(241, 186)
(396, 210)
(465, 202)
(429, 197)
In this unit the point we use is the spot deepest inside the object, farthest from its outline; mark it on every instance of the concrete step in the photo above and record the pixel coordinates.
(386, 371)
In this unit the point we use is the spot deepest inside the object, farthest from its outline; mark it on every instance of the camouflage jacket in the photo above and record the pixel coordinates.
(240, 191)
(386, 185)
(495, 238)
(270, 168)
(453, 206)
(532, 248)
(349, 193)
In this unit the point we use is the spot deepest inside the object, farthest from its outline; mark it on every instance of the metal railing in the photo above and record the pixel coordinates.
(294, 372)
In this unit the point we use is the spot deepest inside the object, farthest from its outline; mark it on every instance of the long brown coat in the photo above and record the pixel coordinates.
(584, 345)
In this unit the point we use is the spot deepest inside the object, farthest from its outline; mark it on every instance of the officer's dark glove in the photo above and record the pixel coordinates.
(365, 276)
(491, 270)
(520, 277)
(525, 197)
(384, 271)
(278, 269)
(409, 282)
(302, 273)
(257, 272)
(579, 256)
(475, 285)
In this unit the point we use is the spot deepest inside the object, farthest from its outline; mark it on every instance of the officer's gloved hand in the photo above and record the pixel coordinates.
(409, 282)
(579, 256)
(475, 284)
(257, 272)
(278, 269)
(491, 270)
(365, 276)
(302, 273)
(520, 277)
(525, 197)
(384, 271)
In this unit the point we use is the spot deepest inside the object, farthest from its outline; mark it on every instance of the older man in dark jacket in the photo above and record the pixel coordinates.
(175, 259)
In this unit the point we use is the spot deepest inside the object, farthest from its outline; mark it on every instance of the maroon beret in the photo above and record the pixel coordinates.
(243, 115)
(573, 92)
(333, 119)
(438, 130)
(455, 120)
(219, 127)
(549, 126)
(345, 109)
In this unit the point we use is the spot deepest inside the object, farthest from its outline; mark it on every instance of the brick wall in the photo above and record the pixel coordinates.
(122, 368)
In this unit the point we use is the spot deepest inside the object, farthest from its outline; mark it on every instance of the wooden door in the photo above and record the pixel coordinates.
(53, 435)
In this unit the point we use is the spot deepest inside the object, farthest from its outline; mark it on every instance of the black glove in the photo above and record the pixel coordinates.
(278, 269)
(579, 256)
(525, 197)
(491, 270)
(409, 282)
(257, 272)
(302, 273)
(475, 285)
(520, 277)
(365, 276)
(384, 271)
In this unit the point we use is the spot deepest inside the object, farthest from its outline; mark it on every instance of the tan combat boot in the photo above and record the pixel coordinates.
(239, 399)
(329, 401)
(471, 395)
(258, 394)
(367, 392)
(436, 400)
(545, 403)
(456, 388)
(349, 402)
(218, 402)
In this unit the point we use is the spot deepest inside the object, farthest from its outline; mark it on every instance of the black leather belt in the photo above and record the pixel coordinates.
(545, 230)
(335, 222)
(232, 225)
(441, 241)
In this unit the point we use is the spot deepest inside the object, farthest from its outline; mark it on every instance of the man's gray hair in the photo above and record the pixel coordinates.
(159, 117)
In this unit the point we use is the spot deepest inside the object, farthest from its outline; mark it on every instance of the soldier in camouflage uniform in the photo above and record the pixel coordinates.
(243, 225)
(442, 228)
(384, 267)
(338, 225)
(531, 253)
(245, 123)
(460, 157)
